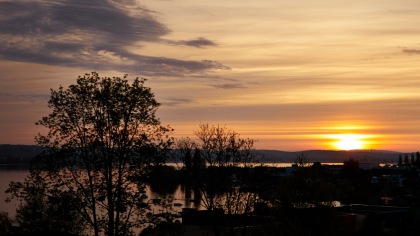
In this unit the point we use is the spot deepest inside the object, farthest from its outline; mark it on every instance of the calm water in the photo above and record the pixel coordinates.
(7, 175)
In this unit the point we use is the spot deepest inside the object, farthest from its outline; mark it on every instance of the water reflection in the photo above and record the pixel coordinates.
(165, 185)
(7, 175)
(178, 196)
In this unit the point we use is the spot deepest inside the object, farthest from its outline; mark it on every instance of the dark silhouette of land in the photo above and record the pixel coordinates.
(325, 156)
(18, 154)
(291, 203)
(22, 154)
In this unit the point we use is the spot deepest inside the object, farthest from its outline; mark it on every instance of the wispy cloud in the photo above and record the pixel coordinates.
(18, 98)
(229, 86)
(198, 43)
(176, 101)
(91, 34)
(411, 51)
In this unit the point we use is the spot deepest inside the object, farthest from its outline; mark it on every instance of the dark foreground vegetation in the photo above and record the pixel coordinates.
(301, 200)
(313, 199)
(105, 148)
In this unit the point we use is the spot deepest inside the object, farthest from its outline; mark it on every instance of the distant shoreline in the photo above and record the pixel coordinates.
(22, 155)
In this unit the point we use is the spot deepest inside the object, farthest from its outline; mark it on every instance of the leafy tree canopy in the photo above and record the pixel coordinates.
(102, 137)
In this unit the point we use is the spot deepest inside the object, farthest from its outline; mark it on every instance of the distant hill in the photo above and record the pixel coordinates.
(22, 154)
(18, 154)
(330, 156)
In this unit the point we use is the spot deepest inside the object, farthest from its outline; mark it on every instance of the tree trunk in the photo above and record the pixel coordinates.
(111, 206)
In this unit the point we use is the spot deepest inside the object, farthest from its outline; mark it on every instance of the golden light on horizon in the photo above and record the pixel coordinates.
(349, 141)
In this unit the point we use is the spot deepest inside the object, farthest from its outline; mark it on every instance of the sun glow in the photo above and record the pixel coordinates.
(349, 141)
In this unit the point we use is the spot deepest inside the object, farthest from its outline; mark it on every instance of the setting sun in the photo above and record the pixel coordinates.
(349, 142)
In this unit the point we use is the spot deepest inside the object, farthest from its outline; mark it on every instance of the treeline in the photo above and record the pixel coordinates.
(18, 154)
(22, 154)
(325, 156)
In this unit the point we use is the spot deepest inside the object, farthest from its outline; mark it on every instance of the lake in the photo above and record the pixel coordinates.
(16, 173)
(8, 174)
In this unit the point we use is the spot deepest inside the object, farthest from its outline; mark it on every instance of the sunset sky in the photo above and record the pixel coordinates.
(294, 75)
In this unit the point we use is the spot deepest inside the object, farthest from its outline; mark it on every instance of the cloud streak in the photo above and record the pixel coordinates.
(411, 51)
(198, 43)
(93, 35)
(176, 101)
(229, 86)
(31, 98)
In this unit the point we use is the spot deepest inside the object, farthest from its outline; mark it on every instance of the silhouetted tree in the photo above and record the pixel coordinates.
(400, 162)
(184, 149)
(102, 136)
(226, 153)
(223, 147)
(6, 224)
(198, 163)
(406, 160)
(43, 211)
(350, 165)
(413, 160)
(302, 160)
